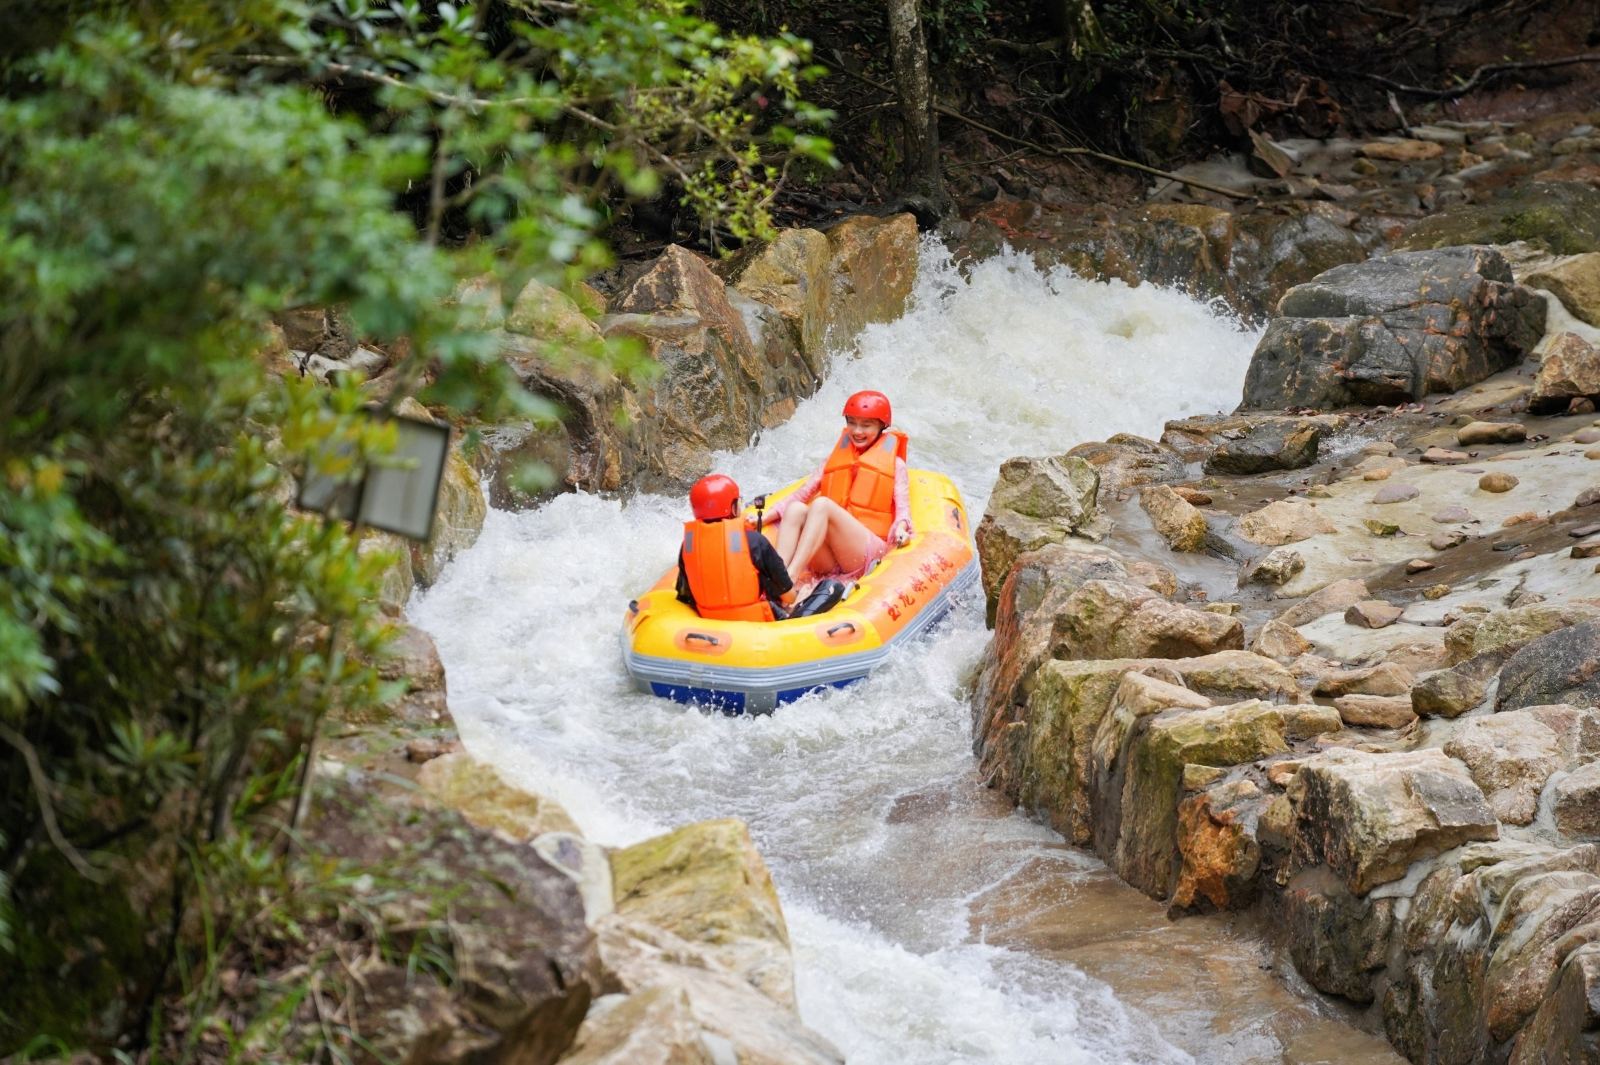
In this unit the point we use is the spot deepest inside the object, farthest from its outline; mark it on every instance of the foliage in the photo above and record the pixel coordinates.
(172, 632)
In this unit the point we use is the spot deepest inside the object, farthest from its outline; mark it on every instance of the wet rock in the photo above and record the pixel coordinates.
(524, 960)
(1562, 667)
(412, 661)
(1385, 678)
(1179, 523)
(1497, 482)
(707, 884)
(1276, 567)
(1375, 711)
(1577, 803)
(1587, 498)
(460, 782)
(1338, 941)
(1369, 816)
(1419, 565)
(1439, 456)
(1127, 461)
(1219, 853)
(1510, 756)
(1531, 928)
(1475, 433)
(1569, 370)
(790, 276)
(1559, 217)
(1286, 521)
(1333, 598)
(1566, 1026)
(873, 267)
(1396, 493)
(1279, 641)
(1111, 619)
(1398, 150)
(1036, 501)
(1194, 495)
(1255, 445)
(1447, 693)
(1575, 281)
(1393, 329)
(1586, 550)
(1373, 614)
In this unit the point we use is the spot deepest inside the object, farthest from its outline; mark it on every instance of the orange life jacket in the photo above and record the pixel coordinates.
(722, 577)
(863, 483)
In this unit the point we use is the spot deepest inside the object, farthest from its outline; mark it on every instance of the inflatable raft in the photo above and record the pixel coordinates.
(755, 666)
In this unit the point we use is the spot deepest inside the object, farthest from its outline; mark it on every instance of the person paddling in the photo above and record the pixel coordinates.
(725, 570)
(848, 514)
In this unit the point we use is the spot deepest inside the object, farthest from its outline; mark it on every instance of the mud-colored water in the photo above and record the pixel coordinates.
(930, 924)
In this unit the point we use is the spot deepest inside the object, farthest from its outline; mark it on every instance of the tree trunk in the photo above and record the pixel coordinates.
(919, 177)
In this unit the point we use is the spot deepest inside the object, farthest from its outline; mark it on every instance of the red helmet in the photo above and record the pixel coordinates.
(869, 405)
(714, 497)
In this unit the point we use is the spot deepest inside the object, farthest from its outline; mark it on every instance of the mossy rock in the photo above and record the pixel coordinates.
(1561, 217)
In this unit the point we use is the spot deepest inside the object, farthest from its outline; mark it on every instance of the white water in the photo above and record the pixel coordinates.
(861, 800)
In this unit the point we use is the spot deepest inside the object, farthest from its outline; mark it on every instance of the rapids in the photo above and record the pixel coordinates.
(863, 801)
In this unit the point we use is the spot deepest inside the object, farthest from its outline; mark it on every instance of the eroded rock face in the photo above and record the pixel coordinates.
(707, 884)
(873, 265)
(460, 782)
(1510, 756)
(790, 277)
(1369, 816)
(1562, 667)
(1393, 329)
(1220, 852)
(1114, 619)
(1034, 503)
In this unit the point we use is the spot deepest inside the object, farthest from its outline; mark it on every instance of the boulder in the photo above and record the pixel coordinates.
(707, 884)
(524, 963)
(1447, 693)
(1375, 711)
(1575, 281)
(790, 277)
(1562, 667)
(1558, 217)
(411, 661)
(1510, 756)
(1393, 329)
(1385, 679)
(1220, 855)
(1539, 919)
(1334, 598)
(1278, 566)
(1114, 619)
(1285, 521)
(1279, 641)
(475, 790)
(872, 266)
(1128, 461)
(1506, 631)
(1368, 816)
(1566, 1026)
(1475, 433)
(1577, 803)
(1339, 942)
(1253, 443)
(1179, 523)
(1569, 370)
(1372, 614)
(1035, 502)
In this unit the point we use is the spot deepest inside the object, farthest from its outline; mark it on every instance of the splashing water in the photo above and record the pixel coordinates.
(862, 800)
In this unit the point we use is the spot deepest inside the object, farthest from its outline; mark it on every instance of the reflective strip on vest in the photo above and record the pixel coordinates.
(721, 574)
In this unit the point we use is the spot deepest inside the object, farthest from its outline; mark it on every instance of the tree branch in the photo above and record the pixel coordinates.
(1483, 74)
(47, 810)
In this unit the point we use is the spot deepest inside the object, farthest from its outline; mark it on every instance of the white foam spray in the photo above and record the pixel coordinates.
(862, 800)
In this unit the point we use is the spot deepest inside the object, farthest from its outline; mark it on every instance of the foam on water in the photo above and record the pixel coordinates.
(862, 800)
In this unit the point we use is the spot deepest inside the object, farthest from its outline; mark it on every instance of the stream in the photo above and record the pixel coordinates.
(930, 923)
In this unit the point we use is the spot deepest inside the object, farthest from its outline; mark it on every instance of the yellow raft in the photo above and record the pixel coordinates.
(755, 666)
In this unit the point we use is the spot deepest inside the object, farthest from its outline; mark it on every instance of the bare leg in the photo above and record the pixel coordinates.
(830, 530)
(794, 519)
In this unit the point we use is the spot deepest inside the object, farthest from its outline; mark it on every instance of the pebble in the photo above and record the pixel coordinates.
(1396, 493)
(1226, 609)
(1452, 514)
(1491, 433)
(1379, 447)
(1419, 565)
(1446, 540)
(1443, 457)
(1376, 475)
(1585, 530)
(1592, 453)
(1381, 528)
(1520, 519)
(1506, 545)
(1588, 550)
(1318, 491)
(1193, 496)
(1498, 482)
(1587, 498)
(1373, 614)
(1581, 405)
(1587, 436)
(1280, 773)
(1437, 591)
(1522, 556)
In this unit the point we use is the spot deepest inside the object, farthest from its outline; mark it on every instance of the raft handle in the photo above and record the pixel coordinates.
(633, 606)
(843, 626)
(712, 640)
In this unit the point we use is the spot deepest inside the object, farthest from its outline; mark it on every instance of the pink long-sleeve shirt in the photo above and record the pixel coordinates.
(902, 494)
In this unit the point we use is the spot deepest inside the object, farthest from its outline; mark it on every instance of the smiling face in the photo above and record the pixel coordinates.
(863, 431)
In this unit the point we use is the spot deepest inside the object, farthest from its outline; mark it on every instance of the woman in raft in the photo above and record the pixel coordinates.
(848, 514)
